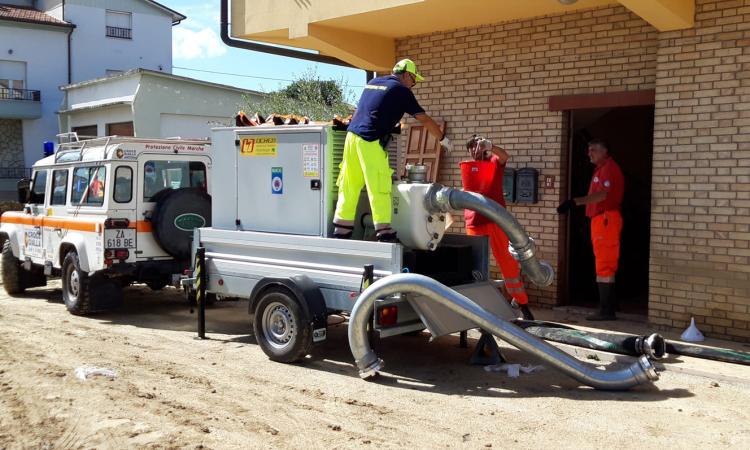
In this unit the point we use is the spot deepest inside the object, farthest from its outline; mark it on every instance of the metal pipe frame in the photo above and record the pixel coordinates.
(368, 363)
(445, 199)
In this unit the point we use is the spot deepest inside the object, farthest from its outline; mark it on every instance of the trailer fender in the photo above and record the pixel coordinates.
(307, 294)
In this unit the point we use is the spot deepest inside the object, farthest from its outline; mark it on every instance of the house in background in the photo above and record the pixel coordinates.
(45, 44)
(147, 103)
(33, 64)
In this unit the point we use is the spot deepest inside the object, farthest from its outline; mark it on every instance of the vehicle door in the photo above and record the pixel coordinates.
(122, 205)
(54, 224)
(88, 205)
(157, 175)
(32, 245)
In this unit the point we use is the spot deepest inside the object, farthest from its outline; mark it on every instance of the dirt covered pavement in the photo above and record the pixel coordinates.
(172, 391)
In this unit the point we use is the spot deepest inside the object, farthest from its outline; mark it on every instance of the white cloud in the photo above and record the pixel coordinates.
(196, 44)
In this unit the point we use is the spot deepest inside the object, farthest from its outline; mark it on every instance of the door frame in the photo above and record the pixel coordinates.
(566, 104)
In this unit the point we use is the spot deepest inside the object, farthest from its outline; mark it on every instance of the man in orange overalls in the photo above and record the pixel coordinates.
(603, 208)
(489, 164)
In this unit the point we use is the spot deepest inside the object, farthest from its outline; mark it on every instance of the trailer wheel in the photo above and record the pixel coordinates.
(13, 279)
(280, 327)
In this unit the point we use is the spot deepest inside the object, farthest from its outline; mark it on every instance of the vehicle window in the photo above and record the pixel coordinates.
(39, 187)
(123, 184)
(59, 187)
(160, 175)
(88, 186)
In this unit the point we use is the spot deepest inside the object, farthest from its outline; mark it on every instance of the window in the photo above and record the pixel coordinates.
(12, 80)
(88, 186)
(123, 184)
(119, 24)
(59, 187)
(120, 129)
(160, 175)
(112, 72)
(86, 131)
(39, 187)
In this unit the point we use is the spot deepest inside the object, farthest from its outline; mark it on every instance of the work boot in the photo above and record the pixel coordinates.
(606, 303)
(525, 310)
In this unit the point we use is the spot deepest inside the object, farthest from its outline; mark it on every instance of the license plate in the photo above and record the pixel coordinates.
(119, 238)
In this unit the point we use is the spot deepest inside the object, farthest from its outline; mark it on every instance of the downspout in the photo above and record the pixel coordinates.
(265, 48)
(368, 363)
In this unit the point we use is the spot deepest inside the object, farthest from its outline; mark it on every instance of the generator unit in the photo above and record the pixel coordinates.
(283, 180)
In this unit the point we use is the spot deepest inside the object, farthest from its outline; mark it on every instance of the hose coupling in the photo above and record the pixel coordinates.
(524, 252)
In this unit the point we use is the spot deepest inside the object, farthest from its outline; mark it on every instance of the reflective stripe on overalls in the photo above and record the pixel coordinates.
(508, 265)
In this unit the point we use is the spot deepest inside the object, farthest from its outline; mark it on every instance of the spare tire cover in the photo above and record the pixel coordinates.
(177, 213)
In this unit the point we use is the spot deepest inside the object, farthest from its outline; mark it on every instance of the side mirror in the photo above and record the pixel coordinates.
(24, 190)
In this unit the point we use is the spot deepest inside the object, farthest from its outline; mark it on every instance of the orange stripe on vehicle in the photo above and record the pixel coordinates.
(143, 226)
(51, 222)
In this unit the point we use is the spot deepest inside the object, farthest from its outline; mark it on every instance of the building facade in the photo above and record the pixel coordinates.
(45, 44)
(667, 83)
(149, 103)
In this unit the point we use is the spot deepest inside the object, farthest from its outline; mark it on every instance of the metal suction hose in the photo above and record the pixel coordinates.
(444, 199)
(369, 364)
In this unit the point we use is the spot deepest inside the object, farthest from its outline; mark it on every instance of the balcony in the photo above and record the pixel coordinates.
(119, 33)
(363, 32)
(20, 104)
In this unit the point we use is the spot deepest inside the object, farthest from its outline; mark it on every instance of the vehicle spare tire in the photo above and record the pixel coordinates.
(176, 214)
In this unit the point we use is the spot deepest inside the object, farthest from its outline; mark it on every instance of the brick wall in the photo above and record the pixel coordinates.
(496, 80)
(700, 223)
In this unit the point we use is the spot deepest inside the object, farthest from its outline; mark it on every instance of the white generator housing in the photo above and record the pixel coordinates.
(283, 180)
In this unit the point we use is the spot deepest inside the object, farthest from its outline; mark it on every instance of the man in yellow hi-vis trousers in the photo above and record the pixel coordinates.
(365, 162)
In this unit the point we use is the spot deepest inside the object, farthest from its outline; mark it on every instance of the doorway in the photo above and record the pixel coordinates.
(629, 132)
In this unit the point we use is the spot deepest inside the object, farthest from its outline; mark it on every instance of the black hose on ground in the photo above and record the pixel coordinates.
(629, 344)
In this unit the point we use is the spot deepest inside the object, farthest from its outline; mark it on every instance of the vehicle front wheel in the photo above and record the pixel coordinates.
(280, 327)
(13, 277)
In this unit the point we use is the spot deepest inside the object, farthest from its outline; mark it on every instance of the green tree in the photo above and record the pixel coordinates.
(307, 95)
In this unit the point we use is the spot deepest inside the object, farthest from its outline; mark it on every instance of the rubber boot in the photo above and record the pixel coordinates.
(606, 303)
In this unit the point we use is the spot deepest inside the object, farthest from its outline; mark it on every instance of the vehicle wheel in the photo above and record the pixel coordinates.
(156, 285)
(14, 280)
(280, 327)
(177, 213)
(76, 286)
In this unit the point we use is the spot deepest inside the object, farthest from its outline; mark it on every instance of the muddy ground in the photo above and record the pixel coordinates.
(173, 391)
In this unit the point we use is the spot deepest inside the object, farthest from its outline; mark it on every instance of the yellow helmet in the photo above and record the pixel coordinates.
(407, 65)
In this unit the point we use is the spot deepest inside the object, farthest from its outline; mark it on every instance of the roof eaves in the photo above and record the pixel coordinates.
(176, 17)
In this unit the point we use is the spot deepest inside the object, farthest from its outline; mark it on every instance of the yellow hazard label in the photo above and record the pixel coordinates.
(259, 146)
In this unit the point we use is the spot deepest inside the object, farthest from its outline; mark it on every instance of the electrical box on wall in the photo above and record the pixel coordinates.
(509, 185)
(527, 185)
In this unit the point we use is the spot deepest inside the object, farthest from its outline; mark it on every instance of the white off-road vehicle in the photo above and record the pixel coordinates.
(104, 213)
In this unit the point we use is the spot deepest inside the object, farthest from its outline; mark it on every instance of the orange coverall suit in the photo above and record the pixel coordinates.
(486, 178)
(606, 220)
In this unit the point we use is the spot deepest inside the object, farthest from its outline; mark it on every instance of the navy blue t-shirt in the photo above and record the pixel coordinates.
(384, 101)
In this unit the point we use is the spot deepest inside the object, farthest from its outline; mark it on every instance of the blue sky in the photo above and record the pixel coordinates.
(196, 45)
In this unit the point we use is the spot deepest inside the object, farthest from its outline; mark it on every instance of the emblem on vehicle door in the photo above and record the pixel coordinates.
(189, 221)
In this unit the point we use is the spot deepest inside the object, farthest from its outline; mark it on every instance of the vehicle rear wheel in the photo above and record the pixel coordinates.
(76, 286)
(13, 276)
(280, 327)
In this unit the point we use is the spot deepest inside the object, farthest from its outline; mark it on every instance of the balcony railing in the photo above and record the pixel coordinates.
(120, 33)
(20, 94)
(15, 173)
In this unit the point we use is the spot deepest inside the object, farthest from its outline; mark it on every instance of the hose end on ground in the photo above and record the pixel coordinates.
(370, 365)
